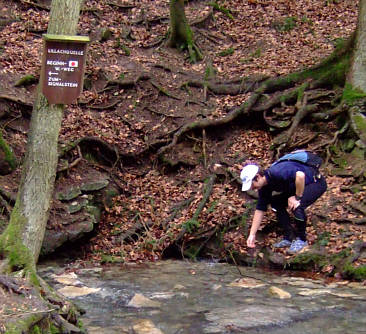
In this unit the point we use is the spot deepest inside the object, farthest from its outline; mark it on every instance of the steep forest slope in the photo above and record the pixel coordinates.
(134, 125)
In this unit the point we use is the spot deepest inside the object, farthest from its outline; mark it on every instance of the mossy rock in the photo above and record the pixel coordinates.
(68, 194)
(94, 185)
(350, 164)
(312, 259)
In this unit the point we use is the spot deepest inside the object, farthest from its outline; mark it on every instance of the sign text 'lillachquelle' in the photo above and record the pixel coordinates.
(63, 65)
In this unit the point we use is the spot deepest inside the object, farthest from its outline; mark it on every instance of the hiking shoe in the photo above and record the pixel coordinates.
(297, 245)
(283, 243)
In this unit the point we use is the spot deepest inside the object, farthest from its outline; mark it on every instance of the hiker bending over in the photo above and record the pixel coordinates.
(288, 186)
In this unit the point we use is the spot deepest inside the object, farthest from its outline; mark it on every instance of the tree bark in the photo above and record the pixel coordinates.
(22, 240)
(357, 72)
(181, 35)
(356, 78)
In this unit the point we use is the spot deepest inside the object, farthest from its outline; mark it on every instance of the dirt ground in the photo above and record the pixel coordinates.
(137, 96)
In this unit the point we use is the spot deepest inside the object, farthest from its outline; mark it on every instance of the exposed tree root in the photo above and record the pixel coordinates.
(16, 99)
(12, 285)
(4, 204)
(164, 91)
(233, 87)
(305, 87)
(40, 303)
(128, 83)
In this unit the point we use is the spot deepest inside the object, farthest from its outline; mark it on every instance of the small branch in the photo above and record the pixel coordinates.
(204, 148)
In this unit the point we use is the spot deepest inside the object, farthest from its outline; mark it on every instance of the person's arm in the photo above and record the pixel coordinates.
(294, 201)
(257, 219)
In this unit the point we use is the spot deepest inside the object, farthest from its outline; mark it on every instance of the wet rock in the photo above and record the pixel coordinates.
(74, 291)
(76, 206)
(139, 300)
(315, 292)
(67, 279)
(249, 316)
(168, 295)
(216, 287)
(247, 282)
(357, 285)
(110, 330)
(145, 326)
(91, 271)
(346, 295)
(179, 287)
(278, 293)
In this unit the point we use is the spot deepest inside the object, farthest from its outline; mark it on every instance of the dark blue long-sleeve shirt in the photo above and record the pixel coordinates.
(281, 178)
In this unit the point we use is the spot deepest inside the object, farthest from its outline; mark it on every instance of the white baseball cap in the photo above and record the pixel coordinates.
(247, 175)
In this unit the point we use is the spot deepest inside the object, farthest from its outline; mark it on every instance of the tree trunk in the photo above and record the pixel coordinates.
(22, 240)
(357, 73)
(181, 35)
(356, 79)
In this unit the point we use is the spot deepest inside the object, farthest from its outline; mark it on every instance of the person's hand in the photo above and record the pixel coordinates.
(293, 203)
(251, 241)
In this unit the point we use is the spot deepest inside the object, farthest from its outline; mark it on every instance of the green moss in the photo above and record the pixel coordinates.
(35, 330)
(9, 155)
(360, 122)
(111, 259)
(191, 225)
(323, 239)
(28, 79)
(358, 273)
(54, 329)
(222, 9)
(124, 48)
(308, 260)
(350, 94)
(18, 255)
(192, 252)
(226, 52)
(23, 325)
(285, 25)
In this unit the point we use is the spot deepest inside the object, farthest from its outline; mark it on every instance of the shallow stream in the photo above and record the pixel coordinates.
(178, 297)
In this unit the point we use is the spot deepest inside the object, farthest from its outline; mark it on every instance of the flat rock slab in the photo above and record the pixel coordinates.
(249, 316)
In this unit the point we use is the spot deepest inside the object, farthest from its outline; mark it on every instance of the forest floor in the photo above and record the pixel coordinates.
(136, 95)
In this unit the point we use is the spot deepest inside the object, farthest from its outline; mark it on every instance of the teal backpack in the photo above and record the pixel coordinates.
(306, 157)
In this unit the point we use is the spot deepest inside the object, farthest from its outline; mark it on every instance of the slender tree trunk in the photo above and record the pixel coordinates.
(181, 35)
(22, 240)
